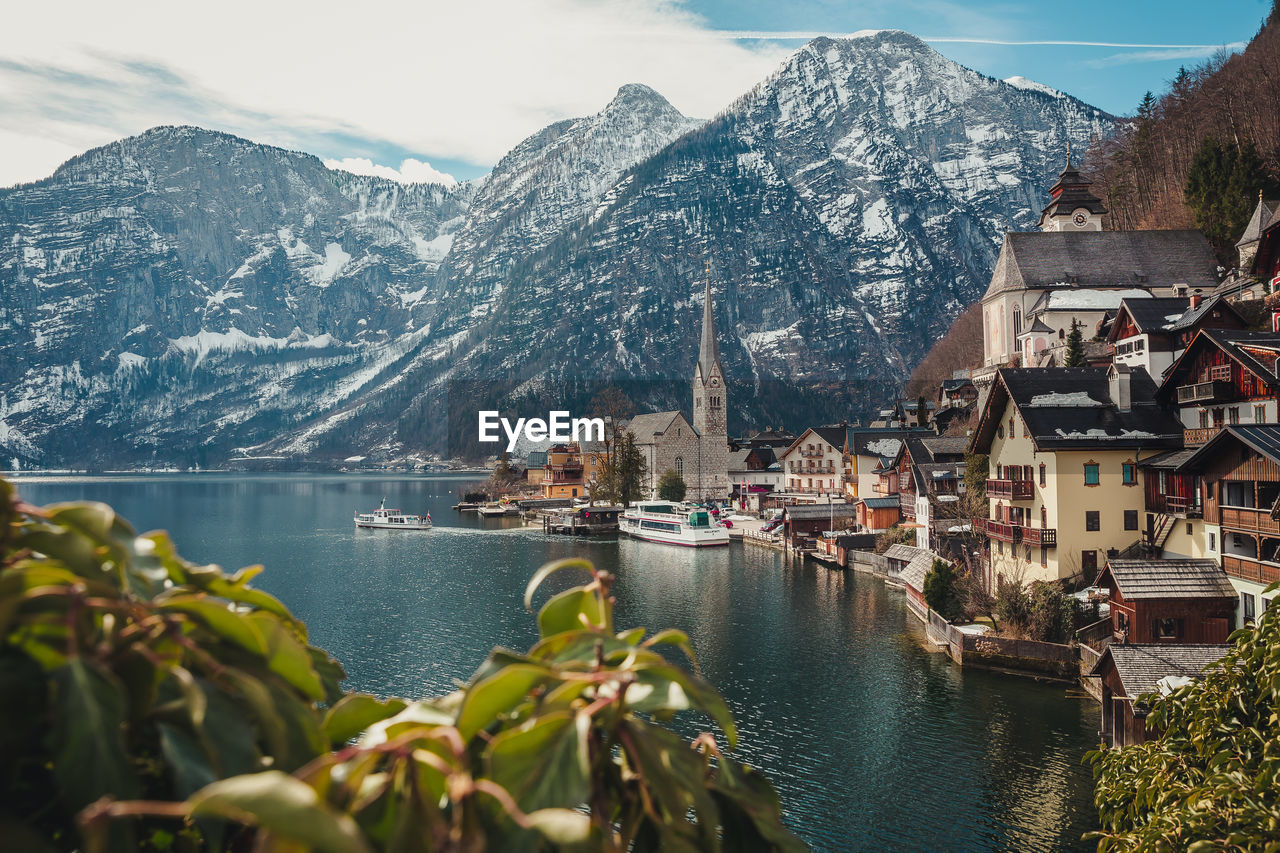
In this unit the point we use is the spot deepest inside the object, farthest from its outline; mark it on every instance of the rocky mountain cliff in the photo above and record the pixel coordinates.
(184, 294)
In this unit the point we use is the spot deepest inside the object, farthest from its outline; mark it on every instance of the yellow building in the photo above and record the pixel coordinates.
(571, 471)
(1064, 447)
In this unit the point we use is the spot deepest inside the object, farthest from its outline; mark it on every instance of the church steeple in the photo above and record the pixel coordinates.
(1073, 207)
(708, 374)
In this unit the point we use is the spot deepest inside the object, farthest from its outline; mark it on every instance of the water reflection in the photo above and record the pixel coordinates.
(873, 741)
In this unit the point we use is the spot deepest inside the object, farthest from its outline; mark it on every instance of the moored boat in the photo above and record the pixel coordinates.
(671, 524)
(392, 519)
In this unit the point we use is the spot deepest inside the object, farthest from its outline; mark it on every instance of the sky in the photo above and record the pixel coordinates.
(429, 90)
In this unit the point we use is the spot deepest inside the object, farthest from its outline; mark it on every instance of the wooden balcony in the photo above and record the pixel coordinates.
(1040, 537)
(1011, 490)
(1002, 531)
(1178, 507)
(1197, 437)
(1247, 519)
(885, 489)
(1249, 569)
(1213, 391)
(907, 503)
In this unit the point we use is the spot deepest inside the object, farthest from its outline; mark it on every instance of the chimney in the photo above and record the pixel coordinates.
(1195, 301)
(1118, 386)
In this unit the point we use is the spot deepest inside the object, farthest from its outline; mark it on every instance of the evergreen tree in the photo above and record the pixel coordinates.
(671, 486)
(1222, 191)
(940, 591)
(1075, 345)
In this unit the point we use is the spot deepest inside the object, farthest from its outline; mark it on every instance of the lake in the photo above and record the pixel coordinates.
(874, 742)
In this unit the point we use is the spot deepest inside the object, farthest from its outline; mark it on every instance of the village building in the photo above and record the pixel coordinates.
(1225, 377)
(959, 391)
(754, 473)
(1238, 476)
(808, 521)
(1064, 446)
(930, 472)
(878, 514)
(773, 438)
(1074, 270)
(571, 470)
(534, 467)
(1128, 672)
(867, 459)
(1257, 272)
(1152, 333)
(814, 463)
(909, 566)
(1168, 601)
(698, 452)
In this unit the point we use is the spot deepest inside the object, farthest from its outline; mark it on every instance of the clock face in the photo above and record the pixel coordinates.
(1080, 218)
(714, 382)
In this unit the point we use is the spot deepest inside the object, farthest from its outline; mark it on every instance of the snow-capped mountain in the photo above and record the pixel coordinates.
(185, 293)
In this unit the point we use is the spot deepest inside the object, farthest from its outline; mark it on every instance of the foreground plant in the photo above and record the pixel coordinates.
(1211, 780)
(154, 704)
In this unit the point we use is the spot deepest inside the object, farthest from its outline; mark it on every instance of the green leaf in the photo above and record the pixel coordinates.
(545, 762)
(215, 615)
(187, 761)
(284, 807)
(673, 637)
(497, 694)
(667, 687)
(287, 656)
(548, 570)
(87, 739)
(356, 712)
(562, 827)
(564, 611)
(227, 737)
(631, 636)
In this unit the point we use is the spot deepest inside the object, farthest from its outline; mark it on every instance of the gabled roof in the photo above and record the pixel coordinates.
(738, 460)
(1258, 222)
(832, 435)
(1035, 260)
(913, 574)
(1070, 408)
(1264, 439)
(956, 384)
(944, 448)
(645, 427)
(1146, 579)
(887, 502)
(878, 442)
(1151, 315)
(1195, 315)
(1252, 350)
(1142, 665)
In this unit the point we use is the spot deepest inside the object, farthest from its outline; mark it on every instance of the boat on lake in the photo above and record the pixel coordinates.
(672, 524)
(392, 519)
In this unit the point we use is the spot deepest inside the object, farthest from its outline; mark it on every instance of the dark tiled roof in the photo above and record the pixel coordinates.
(1195, 315)
(644, 427)
(954, 384)
(1139, 579)
(914, 573)
(808, 512)
(536, 459)
(1069, 407)
(1152, 315)
(738, 460)
(1071, 191)
(1141, 666)
(1258, 222)
(881, 503)
(902, 552)
(877, 442)
(1039, 260)
(943, 448)
(1171, 460)
(1235, 343)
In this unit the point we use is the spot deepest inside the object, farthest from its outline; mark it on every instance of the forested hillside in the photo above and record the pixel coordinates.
(1197, 155)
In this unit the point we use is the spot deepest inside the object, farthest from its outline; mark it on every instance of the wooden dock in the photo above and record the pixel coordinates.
(586, 521)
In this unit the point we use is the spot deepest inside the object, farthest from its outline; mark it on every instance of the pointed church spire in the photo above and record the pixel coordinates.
(709, 351)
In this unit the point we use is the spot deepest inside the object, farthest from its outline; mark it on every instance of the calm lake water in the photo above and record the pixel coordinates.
(873, 742)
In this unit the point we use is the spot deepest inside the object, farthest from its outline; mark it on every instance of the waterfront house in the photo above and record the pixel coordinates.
(535, 467)
(1168, 601)
(1075, 269)
(930, 473)
(1128, 672)
(1064, 446)
(909, 566)
(800, 522)
(877, 514)
(1151, 333)
(571, 470)
(814, 463)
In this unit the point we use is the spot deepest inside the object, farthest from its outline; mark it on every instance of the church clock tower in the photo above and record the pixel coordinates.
(708, 377)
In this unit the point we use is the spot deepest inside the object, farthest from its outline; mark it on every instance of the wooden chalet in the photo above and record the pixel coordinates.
(1152, 333)
(1129, 672)
(1226, 377)
(878, 513)
(1168, 601)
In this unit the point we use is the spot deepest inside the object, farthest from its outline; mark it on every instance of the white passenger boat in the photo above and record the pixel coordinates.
(392, 519)
(669, 523)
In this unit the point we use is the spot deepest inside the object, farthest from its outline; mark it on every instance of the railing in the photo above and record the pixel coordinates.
(817, 454)
(1015, 490)
(1196, 437)
(884, 489)
(1042, 537)
(1205, 392)
(1001, 530)
(1247, 568)
(1253, 520)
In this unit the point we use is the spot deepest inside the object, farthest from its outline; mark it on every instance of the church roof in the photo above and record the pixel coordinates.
(1044, 260)
(709, 350)
(1071, 192)
(645, 427)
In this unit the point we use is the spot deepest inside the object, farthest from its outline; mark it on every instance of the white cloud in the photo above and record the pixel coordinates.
(411, 171)
(1163, 55)
(460, 81)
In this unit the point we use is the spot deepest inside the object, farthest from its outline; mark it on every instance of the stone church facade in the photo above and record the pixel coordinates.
(698, 451)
